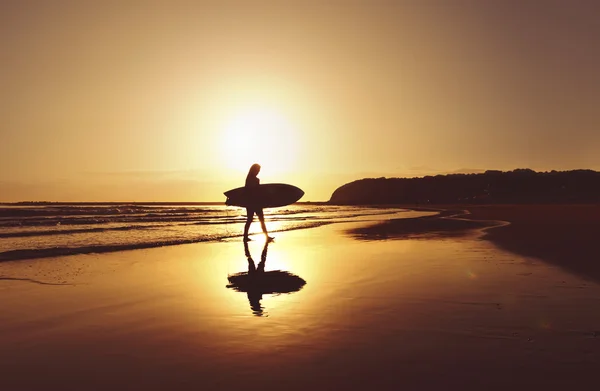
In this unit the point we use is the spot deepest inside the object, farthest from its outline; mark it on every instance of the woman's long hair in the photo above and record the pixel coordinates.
(253, 172)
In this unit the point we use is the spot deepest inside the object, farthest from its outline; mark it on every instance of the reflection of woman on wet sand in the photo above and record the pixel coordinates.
(254, 295)
(252, 183)
(257, 282)
(263, 258)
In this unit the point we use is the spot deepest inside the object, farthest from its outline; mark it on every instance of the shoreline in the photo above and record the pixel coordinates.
(565, 236)
(562, 235)
(24, 254)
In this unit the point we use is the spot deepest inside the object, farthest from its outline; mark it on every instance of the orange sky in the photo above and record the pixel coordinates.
(172, 101)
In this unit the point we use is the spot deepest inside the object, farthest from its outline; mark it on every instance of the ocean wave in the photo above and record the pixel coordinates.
(123, 211)
(22, 234)
(199, 219)
(89, 220)
(22, 254)
(21, 212)
(51, 231)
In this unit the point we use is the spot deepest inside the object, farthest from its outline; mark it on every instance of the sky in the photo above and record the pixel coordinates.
(174, 100)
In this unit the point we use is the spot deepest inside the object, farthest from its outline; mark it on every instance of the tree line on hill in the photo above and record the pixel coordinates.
(517, 186)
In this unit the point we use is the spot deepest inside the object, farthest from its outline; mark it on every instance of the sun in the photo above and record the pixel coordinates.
(260, 135)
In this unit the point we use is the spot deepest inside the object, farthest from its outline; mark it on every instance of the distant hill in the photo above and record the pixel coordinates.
(518, 186)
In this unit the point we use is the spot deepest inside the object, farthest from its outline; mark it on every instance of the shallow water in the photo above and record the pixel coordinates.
(40, 231)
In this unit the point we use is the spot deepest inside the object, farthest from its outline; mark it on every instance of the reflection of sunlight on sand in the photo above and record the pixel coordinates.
(327, 278)
(410, 281)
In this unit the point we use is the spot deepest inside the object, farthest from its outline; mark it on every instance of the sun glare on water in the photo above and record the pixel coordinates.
(263, 136)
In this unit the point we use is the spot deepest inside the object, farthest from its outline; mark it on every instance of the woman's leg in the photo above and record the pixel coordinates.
(249, 217)
(261, 217)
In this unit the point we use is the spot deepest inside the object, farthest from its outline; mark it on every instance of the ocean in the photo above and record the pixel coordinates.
(28, 232)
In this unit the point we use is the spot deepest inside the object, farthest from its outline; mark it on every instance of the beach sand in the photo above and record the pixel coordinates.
(398, 309)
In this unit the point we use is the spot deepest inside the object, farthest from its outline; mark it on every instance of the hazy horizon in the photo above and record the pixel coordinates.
(302, 201)
(172, 101)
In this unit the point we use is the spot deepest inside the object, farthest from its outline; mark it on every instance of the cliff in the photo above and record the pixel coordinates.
(518, 186)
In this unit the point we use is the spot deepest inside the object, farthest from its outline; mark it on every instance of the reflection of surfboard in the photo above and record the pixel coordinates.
(271, 282)
(269, 195)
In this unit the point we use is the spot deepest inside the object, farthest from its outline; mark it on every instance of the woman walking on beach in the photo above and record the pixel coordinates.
(252, 183)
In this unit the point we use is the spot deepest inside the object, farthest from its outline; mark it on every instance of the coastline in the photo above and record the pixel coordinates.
(563, 235)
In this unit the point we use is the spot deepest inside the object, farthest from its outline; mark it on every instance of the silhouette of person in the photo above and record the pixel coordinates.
(252, 183)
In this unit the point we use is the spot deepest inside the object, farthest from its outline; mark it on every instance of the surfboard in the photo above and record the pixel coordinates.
(269, 195)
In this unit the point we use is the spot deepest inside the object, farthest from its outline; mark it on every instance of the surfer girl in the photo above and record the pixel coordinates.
(252, 183)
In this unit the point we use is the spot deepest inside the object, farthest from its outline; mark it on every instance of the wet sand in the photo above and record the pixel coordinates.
(429, 311)
(564, 235)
